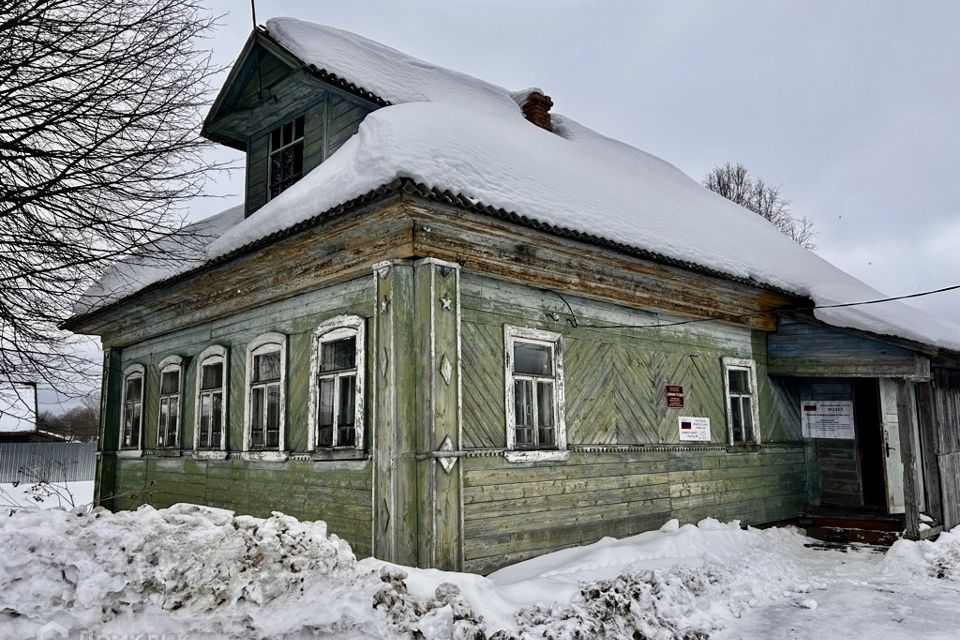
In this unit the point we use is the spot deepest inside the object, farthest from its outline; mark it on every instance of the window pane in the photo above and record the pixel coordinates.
(296, 158)
(747, 413)
(169, 382)
(523, 402)
(206, 402)
(338, 355)
(739, 381)
(545, 404)
(736, 418)
(216, 426)
(133, 389)
(298, 128)
(275, 139)
(174, 421)
(164, 419)
(325, 413)
(256, 417)
(135, 425)
(273, 415)
(546, 435)
(212, 376)
(348, 397)
(288, 133)
(533, 359)
(266, 366)
(524, 436)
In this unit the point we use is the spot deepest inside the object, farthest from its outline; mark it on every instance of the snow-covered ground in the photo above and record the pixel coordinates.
(197, 572)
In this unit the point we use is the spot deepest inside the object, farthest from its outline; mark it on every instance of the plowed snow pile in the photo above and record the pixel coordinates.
(198, 572)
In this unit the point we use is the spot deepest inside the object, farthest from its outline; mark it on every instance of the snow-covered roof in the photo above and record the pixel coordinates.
(454, 132)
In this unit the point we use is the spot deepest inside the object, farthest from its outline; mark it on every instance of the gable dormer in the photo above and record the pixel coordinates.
(286, 116)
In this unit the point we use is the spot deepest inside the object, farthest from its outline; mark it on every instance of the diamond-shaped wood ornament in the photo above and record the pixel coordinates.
(446, 369)
(448, 462)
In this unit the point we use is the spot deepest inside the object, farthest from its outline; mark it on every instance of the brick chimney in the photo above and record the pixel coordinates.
(536, 109)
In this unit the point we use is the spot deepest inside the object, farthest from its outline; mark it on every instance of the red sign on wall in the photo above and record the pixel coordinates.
(674, 396)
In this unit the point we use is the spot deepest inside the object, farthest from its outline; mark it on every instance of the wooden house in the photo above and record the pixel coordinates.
(464, 330)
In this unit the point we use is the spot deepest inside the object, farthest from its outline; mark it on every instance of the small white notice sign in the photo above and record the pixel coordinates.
(694, 429)
(827, 419)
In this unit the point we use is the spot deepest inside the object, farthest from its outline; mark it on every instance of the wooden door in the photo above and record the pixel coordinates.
(893, 464)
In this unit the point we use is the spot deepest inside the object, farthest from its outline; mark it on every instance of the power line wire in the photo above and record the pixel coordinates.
(575, 322)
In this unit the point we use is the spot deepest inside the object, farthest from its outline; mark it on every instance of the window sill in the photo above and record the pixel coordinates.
(210, 454)
(265, 456)
(542, 455)
(319, 455)
(743, 447)
(130, 453)
(166, 453)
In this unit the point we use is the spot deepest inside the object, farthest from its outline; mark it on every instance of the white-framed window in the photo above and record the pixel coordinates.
(740, 389)
(534, 389)
(131, 410)
(171, 392)
(210, 429)
(337, 391)
(265, 415)
(286, 157)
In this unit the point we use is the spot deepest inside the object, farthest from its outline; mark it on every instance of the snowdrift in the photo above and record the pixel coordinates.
(205, 572)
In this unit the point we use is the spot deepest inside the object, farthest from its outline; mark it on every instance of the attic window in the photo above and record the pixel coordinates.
(286, 157)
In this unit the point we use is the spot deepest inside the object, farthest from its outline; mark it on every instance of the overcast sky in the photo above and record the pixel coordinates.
(852, 107)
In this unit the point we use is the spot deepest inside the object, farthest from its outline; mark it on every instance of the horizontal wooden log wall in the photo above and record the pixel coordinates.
(516, 511)
(339, 492)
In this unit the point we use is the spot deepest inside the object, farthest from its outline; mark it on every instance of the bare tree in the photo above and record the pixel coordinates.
(100, 107)
(735, 183)
(78, 424)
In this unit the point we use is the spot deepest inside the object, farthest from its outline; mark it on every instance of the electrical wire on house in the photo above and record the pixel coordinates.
(575, 322)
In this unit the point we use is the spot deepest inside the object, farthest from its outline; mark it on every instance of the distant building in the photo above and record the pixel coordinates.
(465, 330)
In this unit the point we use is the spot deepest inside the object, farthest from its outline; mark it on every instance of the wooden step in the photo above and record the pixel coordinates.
(846, 535)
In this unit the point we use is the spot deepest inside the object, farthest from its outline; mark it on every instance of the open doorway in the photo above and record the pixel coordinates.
(868, 421)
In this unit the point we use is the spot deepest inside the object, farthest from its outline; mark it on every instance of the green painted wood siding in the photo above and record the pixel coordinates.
(516, 511)
(627, 472)
(808, 349)
(329, 121)
(615, 378)
(338, 492)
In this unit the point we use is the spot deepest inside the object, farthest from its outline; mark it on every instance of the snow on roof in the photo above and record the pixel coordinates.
(182, 252)
(457, 133)
(390, 74)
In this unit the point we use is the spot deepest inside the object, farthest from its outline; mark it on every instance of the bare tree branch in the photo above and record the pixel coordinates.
(100, 108)
(734, 182)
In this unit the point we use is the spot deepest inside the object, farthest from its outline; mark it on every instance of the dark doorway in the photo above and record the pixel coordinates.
(866, 417)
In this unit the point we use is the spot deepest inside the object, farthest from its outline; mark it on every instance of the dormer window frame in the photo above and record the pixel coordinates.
(297, 127)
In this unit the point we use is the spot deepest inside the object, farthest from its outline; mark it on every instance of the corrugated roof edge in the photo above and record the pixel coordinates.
(328, 77)
(410, 187)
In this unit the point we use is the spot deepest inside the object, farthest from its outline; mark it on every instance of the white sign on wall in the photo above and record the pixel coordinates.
(694, 429)
(827, 419)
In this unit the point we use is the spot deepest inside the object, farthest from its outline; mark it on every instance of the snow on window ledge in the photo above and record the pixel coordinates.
(536, 456)
(265, 456)
(209, 454)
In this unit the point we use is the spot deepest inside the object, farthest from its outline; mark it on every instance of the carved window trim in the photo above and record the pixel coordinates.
(210, 356)
(511, 336)
(337, 328)
(265, 343)
(750, 367)
(131, 372)
(167, 365)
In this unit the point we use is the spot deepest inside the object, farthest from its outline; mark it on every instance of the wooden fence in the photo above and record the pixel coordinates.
(59, 461)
